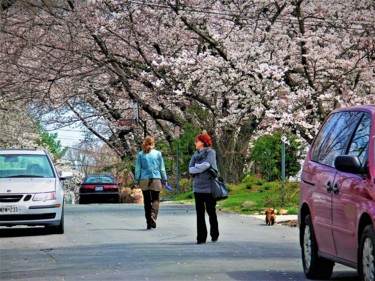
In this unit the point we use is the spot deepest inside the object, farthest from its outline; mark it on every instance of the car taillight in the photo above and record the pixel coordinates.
(112, 187)
(87, 187)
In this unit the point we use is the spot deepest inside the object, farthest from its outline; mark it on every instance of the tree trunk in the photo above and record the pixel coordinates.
(231, 148)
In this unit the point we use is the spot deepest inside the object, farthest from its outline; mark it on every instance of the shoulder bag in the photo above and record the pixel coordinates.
(219, 188)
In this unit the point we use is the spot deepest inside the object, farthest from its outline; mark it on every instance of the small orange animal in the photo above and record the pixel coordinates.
(270, 216)
(137, 196)
(126, 195)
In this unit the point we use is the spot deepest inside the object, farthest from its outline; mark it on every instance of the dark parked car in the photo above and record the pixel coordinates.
(99, 189)
(337, 205)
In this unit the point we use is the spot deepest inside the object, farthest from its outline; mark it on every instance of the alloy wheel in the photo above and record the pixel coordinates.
(368, 260)
(307, 246)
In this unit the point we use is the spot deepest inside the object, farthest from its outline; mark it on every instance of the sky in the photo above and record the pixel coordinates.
(69, 136)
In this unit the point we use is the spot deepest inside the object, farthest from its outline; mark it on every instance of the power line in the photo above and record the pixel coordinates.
(308, 22)
(205, 10)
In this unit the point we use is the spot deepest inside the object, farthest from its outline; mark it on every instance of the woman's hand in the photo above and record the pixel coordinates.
(167, 187)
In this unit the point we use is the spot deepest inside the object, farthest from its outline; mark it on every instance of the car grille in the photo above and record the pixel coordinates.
(27, 217)
(9, 198)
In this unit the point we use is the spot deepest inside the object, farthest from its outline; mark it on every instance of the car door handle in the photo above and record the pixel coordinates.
(336, 189)
(329, 187)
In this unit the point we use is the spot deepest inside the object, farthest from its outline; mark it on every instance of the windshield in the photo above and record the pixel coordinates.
(25, 166)
(98, 179)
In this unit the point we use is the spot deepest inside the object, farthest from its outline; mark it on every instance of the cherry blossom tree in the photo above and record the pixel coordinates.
(18, 129)
(232, 68)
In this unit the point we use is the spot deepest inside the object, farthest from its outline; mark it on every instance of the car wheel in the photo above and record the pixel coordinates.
(366, 264)
(58, 229)
(315, 267)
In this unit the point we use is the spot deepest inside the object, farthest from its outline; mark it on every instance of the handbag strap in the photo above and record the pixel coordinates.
(217, 165)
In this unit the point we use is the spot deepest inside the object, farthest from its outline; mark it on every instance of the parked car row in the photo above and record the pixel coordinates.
(32, 193)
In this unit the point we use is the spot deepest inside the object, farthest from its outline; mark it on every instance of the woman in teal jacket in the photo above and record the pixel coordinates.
(150, 175)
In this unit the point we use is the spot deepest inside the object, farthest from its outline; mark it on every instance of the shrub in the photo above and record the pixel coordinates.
(293, 211)
(247, 178)
(260, 182)
(270, 202)
(250, 179)
(266, 156)
(230, 187)
(271, 186)
(248, 204)
(185, 185)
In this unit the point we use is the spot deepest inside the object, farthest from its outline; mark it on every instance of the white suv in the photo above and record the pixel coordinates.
(31, 192)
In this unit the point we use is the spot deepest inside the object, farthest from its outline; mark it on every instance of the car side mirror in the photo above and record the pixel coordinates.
(66, 175)
(349, 164)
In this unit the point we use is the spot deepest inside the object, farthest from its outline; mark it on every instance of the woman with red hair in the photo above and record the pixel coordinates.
(201, 165)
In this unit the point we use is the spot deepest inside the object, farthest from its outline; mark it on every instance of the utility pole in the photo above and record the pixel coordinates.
(177, 168)
(283, 140)
(145, 129)
(177, 141)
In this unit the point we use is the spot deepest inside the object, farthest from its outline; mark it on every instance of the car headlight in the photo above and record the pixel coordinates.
(44, 196)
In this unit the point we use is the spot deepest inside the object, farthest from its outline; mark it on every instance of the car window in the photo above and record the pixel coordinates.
(360, 142)
(25, 165)
(98, 179)
(334, 136)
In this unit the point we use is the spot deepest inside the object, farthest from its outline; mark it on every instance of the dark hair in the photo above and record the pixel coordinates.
(206, 139)
(148, 143)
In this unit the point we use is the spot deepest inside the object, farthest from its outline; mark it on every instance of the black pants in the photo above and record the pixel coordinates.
(151, 201)
(205, 202)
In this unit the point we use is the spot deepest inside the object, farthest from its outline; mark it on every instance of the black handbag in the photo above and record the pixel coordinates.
(219, 188)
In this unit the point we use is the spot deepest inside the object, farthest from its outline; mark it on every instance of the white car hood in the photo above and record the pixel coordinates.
(26, 185)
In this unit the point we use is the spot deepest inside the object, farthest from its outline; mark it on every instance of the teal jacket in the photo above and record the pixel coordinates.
(150, 166)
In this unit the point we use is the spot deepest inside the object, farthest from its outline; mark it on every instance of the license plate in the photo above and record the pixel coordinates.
(98, 188)
(9, 209)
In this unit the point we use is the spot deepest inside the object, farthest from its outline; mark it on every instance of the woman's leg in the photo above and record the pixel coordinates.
(147, 204)
(201, 222)
(155, 201)
(211, 210)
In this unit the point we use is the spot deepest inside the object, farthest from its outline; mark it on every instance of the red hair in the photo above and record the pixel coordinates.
(148, 144)
(206, 139)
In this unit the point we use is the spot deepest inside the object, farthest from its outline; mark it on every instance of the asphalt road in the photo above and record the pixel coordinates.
(110, 242)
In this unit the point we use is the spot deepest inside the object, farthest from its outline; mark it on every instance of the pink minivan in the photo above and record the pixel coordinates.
(337, 205)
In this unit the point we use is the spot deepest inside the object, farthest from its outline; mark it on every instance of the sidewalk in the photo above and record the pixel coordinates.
(279, 218)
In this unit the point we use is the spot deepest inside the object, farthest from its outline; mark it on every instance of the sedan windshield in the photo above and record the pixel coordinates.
(25, 166)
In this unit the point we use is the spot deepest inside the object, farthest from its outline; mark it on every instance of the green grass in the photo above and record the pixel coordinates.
(254, 195)
(188, 196)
